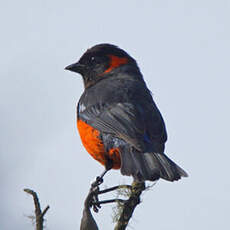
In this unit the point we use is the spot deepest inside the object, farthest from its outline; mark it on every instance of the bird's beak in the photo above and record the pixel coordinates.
(76, 67)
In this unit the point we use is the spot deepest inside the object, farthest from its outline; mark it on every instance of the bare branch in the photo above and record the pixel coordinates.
(129, 206)
(39, 215)
(87, 220)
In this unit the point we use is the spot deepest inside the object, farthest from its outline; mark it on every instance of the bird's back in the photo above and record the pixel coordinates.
(128, 90)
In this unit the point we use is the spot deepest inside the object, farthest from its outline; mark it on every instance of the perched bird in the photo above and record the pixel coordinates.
(118, 122)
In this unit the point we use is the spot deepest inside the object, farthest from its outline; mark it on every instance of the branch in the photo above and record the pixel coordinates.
(130, 205)
(87, 220)
(39, 215)
(127, 207)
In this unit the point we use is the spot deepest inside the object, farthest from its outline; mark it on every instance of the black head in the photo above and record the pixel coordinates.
(100, 61)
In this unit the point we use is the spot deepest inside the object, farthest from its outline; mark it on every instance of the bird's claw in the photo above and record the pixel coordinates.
(95, 201)
(99, 180)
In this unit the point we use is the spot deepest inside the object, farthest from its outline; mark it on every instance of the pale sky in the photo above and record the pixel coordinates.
(182, 48)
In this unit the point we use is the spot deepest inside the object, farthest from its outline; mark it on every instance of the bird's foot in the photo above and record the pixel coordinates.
(99, 180)
(95, 190)
(95, 201)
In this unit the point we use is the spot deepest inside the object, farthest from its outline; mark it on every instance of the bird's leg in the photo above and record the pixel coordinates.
(95, 201)
(99, 179)
(95, 188)
(108, 166)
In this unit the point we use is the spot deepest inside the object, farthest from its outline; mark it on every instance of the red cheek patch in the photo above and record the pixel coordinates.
(115, 62)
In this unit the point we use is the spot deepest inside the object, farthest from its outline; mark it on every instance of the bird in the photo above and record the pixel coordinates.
(118, 121)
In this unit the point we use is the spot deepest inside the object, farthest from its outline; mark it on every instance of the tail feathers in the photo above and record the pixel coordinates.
(170, 170)
(150, 166)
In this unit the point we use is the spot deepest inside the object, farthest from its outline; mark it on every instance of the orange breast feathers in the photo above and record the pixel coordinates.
(95, 147)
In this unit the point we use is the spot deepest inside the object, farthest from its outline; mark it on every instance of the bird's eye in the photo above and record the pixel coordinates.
(93, 60)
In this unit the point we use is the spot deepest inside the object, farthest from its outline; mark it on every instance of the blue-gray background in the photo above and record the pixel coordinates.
(182, 48)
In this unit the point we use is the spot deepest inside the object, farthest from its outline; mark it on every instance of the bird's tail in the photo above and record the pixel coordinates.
(150, 166)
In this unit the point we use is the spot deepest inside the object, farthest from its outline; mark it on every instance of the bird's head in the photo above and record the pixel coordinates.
(99, 62)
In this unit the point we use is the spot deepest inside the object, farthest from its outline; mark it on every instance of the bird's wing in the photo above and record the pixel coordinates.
(124, 120)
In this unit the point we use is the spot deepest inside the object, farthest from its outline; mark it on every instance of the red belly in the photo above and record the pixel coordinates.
(95, 147)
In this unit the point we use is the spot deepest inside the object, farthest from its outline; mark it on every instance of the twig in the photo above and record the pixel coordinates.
(130, 205)
(87, 220)
(39, 215)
